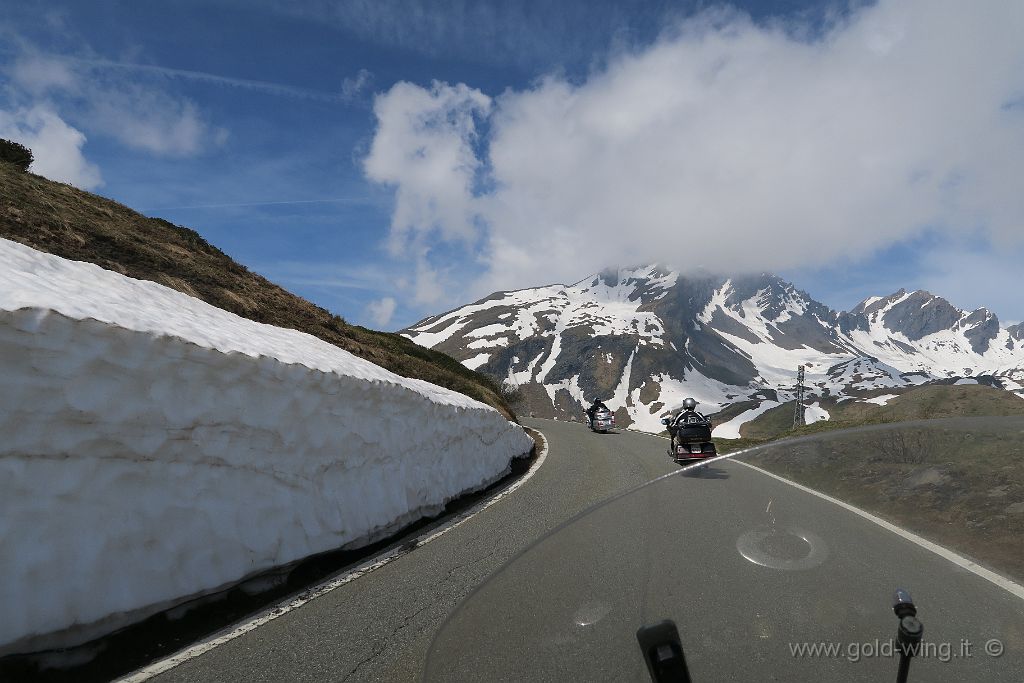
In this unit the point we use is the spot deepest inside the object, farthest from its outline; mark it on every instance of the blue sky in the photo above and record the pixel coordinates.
(255, 124)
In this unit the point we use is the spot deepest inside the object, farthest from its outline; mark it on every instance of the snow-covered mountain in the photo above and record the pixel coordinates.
(645, 338)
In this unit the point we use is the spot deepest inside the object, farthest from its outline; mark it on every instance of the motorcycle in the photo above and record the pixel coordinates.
(602, 421)
(692, 441)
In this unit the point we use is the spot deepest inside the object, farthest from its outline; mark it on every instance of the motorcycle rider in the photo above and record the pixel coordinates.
(686, 415)
(592, 410)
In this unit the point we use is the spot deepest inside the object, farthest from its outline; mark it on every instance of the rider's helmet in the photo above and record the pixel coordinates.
(689, 404)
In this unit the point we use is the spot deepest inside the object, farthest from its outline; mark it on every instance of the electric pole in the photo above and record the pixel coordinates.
(798, 409)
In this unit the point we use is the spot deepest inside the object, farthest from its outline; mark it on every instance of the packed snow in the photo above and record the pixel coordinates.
(156, 447)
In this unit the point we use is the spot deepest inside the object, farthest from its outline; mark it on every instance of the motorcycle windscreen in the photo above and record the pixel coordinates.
(763, 580)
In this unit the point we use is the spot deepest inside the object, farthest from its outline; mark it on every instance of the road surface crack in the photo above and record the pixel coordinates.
(408, 619)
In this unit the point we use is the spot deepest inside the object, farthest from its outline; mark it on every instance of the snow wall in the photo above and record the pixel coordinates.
(154, 448)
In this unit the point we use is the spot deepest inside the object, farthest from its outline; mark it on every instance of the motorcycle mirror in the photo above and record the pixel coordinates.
(910, 632)
(903, 604)
(663, 653)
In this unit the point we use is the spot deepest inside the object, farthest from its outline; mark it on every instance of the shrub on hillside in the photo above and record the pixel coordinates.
(14, 153)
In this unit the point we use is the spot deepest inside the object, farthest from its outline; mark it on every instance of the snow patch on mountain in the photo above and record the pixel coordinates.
(621, 396)
(731, 429)
(711, 394)
(815, 413)
(477, 361)
(880, 400)
(863, 373)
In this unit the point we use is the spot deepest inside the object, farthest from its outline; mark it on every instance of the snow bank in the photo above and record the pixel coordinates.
(155, 447)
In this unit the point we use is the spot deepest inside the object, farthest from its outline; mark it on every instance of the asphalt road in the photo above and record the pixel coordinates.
(745, 564)
(380, 626)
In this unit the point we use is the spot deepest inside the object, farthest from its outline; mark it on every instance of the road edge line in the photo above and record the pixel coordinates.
(234, 631)
(999, 580)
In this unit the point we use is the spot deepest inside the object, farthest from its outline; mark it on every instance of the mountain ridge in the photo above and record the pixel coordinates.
(644, 337)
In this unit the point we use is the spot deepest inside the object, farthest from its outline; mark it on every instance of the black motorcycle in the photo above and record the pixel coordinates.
(692, 442)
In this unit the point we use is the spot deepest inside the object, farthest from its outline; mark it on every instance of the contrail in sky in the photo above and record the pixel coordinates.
(220, 206)
(202, 76)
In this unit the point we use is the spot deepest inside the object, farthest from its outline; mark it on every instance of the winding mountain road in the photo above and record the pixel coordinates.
(379, 627)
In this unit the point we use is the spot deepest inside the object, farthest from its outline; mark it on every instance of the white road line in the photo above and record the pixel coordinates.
(973, 567)
(268, 615)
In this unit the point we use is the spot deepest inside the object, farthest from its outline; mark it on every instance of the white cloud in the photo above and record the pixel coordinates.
(725, 144)
(56, 146)
(381, 310)
(38, 74)
(104, 97)
(152, 121)
(423, 147)
(354, 86)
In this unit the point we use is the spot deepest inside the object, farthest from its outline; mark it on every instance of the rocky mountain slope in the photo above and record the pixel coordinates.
(644, 338)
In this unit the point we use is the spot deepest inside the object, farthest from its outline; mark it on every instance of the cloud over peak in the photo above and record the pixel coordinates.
(725, 144)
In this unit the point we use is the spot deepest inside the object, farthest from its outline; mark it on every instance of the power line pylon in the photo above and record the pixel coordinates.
(799, 419)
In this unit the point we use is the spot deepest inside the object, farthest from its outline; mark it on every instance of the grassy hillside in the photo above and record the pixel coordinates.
(947, 400)
(919, 403)
(81, 226)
